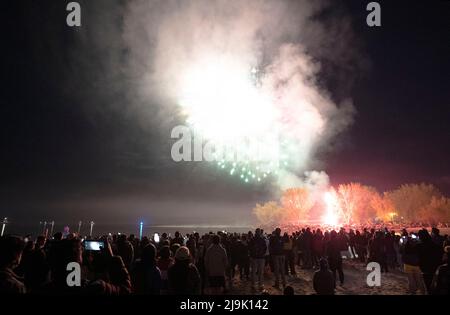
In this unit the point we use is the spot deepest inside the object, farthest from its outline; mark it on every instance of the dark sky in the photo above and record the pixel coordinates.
(60, 160)
(402, 131)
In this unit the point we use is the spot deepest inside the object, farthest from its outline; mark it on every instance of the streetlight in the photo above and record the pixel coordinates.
(79, 227)
(40, 226)
(92, 226)
(52, 226)
(5, 221)
(140, 229)
(45, 227)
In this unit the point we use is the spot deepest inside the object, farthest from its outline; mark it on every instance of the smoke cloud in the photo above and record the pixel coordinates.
(146, 46)
(287, 40)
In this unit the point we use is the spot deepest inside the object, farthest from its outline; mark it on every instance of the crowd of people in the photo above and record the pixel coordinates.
(207, 264)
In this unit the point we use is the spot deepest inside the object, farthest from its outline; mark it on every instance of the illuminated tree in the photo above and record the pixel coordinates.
(384, 208)
(268, 214)
(411, 199)
(438, 210)
(355, 202)
(296, 203)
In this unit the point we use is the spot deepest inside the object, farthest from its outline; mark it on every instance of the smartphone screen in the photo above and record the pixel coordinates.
(94, 245)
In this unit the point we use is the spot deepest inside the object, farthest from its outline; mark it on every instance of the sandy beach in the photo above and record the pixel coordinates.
(392, 283)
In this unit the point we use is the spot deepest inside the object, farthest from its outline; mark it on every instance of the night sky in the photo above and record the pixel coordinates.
(73, 148)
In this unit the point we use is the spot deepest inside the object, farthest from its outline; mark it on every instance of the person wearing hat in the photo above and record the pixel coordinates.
(183, 276)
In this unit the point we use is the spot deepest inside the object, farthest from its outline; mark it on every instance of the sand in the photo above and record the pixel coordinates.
(355, 274)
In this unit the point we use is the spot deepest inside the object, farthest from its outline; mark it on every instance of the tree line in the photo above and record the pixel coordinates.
(359, 204)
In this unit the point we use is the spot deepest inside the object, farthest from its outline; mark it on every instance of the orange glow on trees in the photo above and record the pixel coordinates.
(355, 202)
(296, 204)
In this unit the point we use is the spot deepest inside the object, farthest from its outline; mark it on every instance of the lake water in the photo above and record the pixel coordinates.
(103, 229)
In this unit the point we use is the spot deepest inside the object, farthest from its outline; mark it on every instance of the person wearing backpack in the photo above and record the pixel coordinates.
(257, 247)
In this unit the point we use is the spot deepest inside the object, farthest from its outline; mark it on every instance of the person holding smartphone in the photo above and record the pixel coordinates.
(410, 258)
